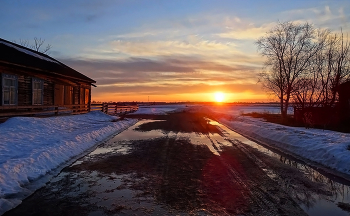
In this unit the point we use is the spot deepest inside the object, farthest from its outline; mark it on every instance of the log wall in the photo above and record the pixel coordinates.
(57, 91)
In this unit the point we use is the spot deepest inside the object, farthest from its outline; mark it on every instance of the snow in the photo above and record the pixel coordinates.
(29, 52)
(228, 109)
(239, 109)
(31, 148)
(158, 109)
(329, 148)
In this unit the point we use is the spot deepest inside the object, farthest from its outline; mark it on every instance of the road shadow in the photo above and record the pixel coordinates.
(184, 122)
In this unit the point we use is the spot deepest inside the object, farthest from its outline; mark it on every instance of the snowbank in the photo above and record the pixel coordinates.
(329, 148)
(33, 147)
(158, 109)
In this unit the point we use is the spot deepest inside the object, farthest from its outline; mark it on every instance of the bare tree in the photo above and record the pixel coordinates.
(336, 67)
(309, 84)
(289, 49)
(24, 43)
(38, 45)
(329, 67)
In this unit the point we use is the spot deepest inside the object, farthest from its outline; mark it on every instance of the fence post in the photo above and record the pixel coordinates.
(56, 110)
(106, 108)
(116, 110)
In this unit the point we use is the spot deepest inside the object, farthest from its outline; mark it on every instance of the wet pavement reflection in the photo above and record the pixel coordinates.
(116, 187)
(335, 191)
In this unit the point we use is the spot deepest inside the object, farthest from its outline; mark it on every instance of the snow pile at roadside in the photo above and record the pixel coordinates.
(329, 148)
(158, 109)
(32, 147)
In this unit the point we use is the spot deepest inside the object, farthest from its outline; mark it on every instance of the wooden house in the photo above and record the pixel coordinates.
(34, 83)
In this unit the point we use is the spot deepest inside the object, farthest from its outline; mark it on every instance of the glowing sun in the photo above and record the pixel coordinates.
(219, 96)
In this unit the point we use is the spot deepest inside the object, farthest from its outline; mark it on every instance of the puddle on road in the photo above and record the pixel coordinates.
(200, 139)
(317, 204)
(121, 142)
(111, 194)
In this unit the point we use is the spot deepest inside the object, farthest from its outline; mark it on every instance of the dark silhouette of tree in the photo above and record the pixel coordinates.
(329, 68)
(289, 49)
(38, 45)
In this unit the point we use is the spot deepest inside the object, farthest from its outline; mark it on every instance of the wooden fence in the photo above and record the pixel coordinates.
(317, 116)
(37, 110)
(114, 109)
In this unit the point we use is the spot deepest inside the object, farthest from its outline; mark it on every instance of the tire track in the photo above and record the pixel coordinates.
(258, 186)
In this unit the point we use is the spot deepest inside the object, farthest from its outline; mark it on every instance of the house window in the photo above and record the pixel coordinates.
(9, 89)
(37, 85)
(87, 94)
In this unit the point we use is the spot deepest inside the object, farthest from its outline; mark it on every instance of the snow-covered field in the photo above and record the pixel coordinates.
(32, 148)
(228, 109)
(240, 109)
(158, 109)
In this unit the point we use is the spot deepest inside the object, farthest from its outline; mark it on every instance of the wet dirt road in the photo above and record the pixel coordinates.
(185, 163)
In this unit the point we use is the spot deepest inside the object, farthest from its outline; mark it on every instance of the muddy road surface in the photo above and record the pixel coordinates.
(180, 164)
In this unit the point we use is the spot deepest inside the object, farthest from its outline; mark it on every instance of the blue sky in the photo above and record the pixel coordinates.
(168, 50)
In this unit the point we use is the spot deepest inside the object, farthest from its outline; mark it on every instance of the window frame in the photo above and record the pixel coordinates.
(41, 82)
(15, 79)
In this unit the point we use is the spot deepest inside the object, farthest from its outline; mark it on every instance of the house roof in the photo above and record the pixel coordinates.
(17, 55)
(344, 86)
(347, 83)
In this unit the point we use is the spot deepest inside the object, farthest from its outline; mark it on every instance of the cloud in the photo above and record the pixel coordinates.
(170, 47)
(324, 16)
(165, 75)
(178, 89)
(91, 17)
(130, 65)
(249, 32)
(192, 46)
(164, 65)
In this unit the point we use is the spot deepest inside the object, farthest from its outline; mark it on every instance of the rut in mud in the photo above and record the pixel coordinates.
(169, 171)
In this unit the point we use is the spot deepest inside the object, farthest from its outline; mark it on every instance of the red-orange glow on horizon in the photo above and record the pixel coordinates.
(219, 97)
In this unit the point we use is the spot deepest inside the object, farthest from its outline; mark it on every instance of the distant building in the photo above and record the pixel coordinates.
(327, 116)
(344, 101)
(32, 82)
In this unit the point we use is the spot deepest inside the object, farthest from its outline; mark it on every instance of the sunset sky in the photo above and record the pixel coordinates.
(184, 50)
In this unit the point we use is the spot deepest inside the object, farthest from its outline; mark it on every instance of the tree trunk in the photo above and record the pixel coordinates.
(281, 103)
(285, 107)
(284, 115)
